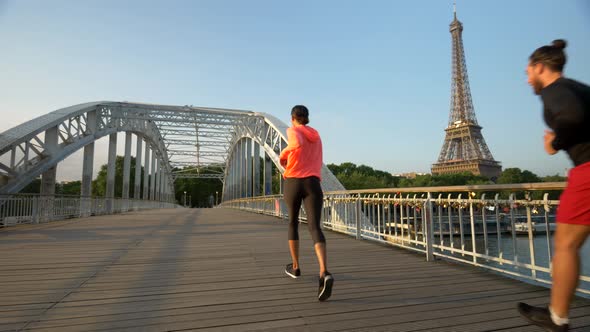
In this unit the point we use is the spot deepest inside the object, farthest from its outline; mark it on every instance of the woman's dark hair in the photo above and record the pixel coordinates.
(300, 114)
(551, 56)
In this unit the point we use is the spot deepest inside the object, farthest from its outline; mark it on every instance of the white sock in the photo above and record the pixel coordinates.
(558, 320)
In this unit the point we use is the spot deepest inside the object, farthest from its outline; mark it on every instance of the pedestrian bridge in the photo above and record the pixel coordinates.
(222, 270)
(413, 259)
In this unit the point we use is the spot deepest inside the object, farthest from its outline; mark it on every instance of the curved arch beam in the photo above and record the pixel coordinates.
(175, 132)
(75, 131)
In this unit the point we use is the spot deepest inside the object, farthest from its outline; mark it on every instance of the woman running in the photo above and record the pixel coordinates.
(302, 159)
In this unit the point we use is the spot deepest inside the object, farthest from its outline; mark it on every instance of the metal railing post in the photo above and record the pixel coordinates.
(513, 231)
(546, 209)
(472, 221)
(429, 229)
(35, 213)
(357, 217)
(531, 238)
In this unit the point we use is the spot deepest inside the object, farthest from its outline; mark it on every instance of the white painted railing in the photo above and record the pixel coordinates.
(26, 208)
(504, 228)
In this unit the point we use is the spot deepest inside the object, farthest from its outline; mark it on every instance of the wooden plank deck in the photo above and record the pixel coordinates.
(222, 270)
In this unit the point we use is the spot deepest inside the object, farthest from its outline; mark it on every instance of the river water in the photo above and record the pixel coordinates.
(519, 246)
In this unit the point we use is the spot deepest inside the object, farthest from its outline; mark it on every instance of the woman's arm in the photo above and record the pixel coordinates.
(292, 144)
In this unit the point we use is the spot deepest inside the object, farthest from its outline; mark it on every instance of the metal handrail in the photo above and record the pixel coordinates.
(510, 236)
(449, 189)
(36, 208)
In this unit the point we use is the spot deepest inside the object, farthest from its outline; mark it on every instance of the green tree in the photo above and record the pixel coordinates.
(99, 185)
(456, 179)
(276, 178)
(362, 176)
(71, 188)
(344, 168)
(61, 188)
(358, 180)
(554, 194)
(554, 178)
(34, 187)
(516, 175)
(200, 191)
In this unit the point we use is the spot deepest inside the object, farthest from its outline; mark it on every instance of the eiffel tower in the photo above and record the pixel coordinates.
(464, 149)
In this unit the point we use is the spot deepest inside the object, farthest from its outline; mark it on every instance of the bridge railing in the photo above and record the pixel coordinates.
(503, 228)
(32, 208)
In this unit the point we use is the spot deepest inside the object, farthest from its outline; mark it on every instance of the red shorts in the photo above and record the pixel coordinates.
(574, 204)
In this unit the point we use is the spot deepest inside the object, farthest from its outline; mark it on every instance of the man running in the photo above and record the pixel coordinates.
(567, 112)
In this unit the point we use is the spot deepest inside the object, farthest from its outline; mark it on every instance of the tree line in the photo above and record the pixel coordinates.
(354, 176)
(199, 192)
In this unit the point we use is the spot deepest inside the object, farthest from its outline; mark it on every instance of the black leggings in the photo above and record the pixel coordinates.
(308, 191)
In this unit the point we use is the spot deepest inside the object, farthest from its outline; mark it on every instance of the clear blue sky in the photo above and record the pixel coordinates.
(375, 74)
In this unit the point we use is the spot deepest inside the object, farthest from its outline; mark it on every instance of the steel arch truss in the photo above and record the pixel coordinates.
(195, 137)
(30, 152)
(183, 138)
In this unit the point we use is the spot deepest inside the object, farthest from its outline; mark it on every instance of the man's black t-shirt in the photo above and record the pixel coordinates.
(567, 112)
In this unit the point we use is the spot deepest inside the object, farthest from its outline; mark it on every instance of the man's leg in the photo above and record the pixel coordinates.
(568, 240)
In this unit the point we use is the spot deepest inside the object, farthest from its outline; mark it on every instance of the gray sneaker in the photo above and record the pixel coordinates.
(291, 272)
(326, 283)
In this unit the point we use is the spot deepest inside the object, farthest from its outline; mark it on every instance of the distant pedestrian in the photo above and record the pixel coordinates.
(567, 112)
(302, 159)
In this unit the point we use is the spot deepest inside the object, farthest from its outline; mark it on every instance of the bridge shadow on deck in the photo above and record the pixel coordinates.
(222, 270)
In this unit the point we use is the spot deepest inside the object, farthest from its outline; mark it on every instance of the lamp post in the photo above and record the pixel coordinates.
(184, 199)
(216, 198)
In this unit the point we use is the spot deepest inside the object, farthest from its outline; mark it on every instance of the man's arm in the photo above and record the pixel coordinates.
(549, 138)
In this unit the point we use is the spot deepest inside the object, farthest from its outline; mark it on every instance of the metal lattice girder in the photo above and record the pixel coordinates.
(73, 134)
(195, 153)
(179, 136)
(171, 141)
(197, 176)
(191, 132)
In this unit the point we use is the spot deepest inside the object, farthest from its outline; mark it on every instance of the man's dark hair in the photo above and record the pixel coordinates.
(551, 56)
(300, 113)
